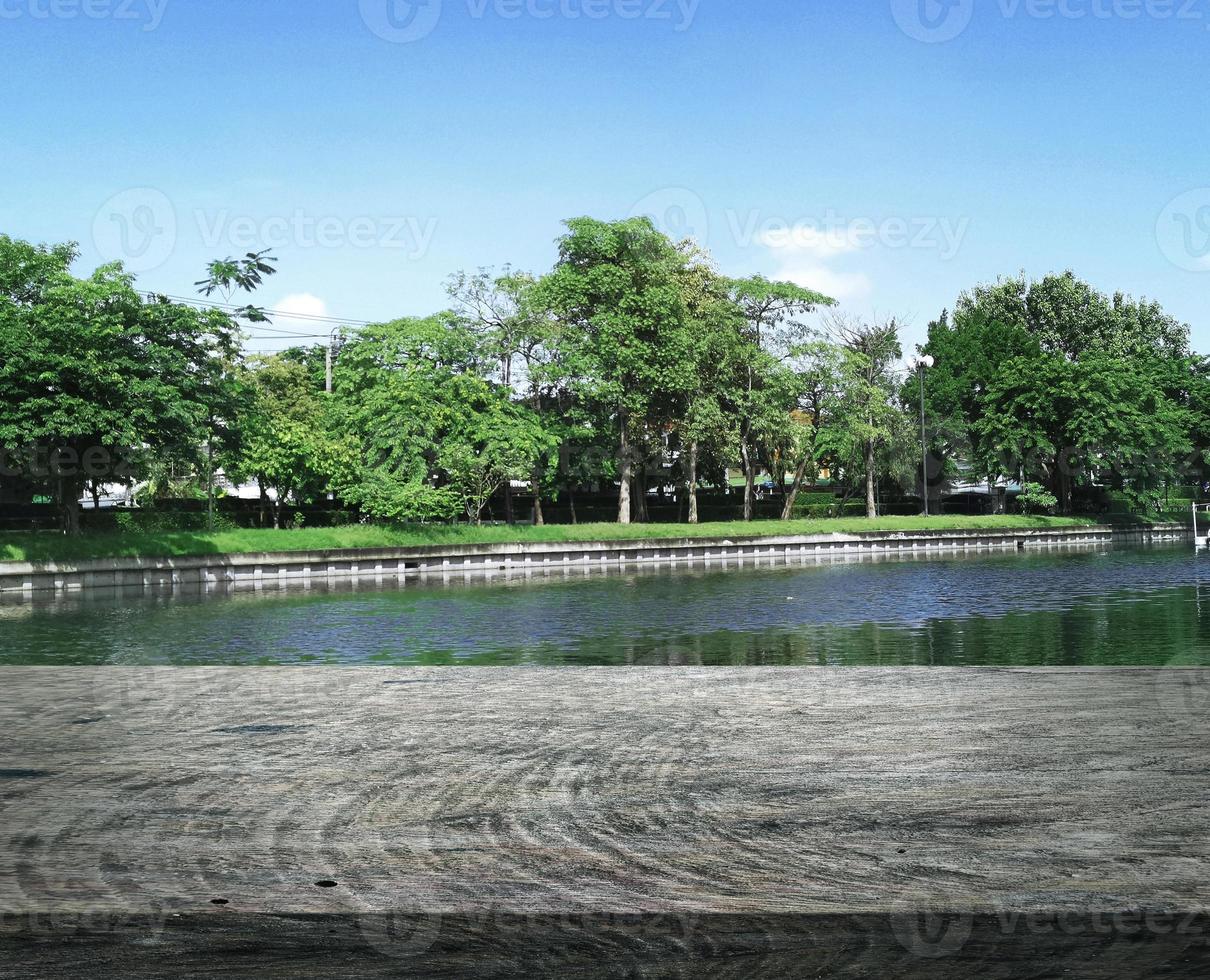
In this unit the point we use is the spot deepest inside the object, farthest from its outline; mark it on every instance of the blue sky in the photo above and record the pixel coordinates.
(379, 146)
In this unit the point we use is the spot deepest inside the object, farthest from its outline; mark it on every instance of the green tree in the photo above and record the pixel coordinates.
(90, 374)
(1072, 420)
(1037, 374)
(819, 371)
(868, 419)
(286, 443)
(228, 277)
(495, 442)
(704, 418)
(771, 310)
(1070, 318)
(626, 346)
(519, 336)
(969, 351)
(396, 392)
(433, 436)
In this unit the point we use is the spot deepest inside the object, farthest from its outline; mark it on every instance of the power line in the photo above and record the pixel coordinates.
(306, 317)
(287, 336)
(262, 328)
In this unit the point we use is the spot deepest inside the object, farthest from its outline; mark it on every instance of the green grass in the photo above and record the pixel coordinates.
(46, 546)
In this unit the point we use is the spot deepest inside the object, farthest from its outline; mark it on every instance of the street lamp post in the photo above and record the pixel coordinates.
(920, 364)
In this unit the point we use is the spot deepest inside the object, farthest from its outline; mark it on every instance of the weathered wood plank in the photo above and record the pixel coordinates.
(780, 812)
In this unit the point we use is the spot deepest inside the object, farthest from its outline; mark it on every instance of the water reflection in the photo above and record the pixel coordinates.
(1120, 607)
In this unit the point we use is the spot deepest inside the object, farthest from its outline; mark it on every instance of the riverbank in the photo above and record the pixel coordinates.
(47, 547)
(302, 568)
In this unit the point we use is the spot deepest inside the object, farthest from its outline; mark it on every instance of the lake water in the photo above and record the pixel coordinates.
(1119, 607)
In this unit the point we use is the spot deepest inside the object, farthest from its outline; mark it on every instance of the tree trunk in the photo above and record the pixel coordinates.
(693, 517)
(69, 504)
(799, 475)
(276, 504)
(571, 502)
(264, 500)
(209, 484)
(508, 503)
(871, 505)
(640, 494)
(1062, 483)
(749, 477)
(539, 517)
(625, 473)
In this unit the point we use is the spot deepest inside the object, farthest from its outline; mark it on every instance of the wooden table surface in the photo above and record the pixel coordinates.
(923, 822)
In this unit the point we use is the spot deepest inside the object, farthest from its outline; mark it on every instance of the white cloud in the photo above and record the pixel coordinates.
(288, 325)
(841, 286)
(300, 303)
(803, 254)
(808, 240)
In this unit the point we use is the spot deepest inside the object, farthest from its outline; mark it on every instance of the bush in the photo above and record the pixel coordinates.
(1036, 499)
(814, 504)
(151, 520)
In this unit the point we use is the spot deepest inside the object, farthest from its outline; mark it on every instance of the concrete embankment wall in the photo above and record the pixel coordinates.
(398, 564)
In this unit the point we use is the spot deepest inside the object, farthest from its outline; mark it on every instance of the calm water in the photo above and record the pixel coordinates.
(1122, 607)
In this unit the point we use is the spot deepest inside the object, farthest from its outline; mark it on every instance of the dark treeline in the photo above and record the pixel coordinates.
(633, 365)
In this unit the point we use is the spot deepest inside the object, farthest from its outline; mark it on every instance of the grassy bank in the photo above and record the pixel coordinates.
(55, 547)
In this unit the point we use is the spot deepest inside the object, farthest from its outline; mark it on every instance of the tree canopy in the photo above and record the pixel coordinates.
(633, 367)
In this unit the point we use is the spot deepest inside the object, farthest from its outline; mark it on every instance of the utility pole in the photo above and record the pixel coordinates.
(920, 364)
(328, 361)
(328, 377)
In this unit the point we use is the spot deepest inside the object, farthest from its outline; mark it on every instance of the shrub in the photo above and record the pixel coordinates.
(151, 520)
(814, 504)
(1036, 499)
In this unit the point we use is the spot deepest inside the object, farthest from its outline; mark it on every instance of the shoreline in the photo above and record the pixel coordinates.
(259, 569)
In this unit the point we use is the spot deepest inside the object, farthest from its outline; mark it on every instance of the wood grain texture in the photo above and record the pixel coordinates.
(659, 821)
